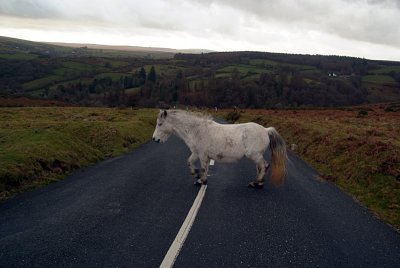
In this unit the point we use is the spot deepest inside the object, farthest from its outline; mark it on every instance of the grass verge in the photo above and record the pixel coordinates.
(39, 145)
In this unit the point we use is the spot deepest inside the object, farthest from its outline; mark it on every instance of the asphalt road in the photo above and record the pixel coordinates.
(126, 211)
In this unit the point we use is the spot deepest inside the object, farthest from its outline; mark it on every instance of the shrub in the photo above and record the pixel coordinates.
(362, 113)
(232, 117)
(392, 108)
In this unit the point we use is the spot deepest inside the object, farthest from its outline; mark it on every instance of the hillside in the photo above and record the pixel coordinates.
(116, 77)
(23, 49)
(132, 48)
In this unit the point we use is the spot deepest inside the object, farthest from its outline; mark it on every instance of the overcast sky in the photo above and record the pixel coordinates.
(362, 28)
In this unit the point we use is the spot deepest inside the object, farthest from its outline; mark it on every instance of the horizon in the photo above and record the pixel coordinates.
(353, 28)
(69, 44)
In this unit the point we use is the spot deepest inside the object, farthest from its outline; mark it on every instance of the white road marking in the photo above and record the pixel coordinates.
(212, 162)
(180, 238)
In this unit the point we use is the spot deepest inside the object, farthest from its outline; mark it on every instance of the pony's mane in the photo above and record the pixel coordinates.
(189, 114)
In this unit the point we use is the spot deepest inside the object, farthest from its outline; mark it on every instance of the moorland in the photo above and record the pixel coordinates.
(66, 107)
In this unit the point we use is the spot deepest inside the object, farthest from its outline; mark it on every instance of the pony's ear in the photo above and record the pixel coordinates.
(165, 113)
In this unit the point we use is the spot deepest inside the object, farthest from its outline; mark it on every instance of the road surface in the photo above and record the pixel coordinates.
(126, 212)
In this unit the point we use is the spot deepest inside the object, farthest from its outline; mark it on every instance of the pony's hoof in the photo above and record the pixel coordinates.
(255, 185)
(200, 182)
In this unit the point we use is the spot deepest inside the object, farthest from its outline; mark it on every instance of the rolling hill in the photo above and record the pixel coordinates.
(84, 74)
(132, 48)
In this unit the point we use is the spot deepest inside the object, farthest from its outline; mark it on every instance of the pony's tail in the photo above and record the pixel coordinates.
(279, 156)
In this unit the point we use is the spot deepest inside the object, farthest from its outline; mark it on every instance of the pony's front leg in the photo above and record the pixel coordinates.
(204, 169)
(191, 163)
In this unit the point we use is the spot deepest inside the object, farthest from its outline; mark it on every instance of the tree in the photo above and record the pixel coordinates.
(142, 76)
(152, 75)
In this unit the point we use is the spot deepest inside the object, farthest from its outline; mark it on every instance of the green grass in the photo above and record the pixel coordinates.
(386, 69)
(113, 76)
(250, 72)
(83, 80)
(223, 75)
(242, 69)
(40, 145)
(246, 72)
(300, 67)
(63, 72)
(77, 66)
(262, 61)
(117, 63)
(42, 82)
(275, 64)
(18, 56)
(162, 69)
(379, 79)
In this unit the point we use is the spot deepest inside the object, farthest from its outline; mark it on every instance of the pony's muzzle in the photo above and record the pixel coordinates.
(156, 140)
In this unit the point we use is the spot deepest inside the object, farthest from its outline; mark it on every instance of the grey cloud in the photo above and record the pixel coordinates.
(393, 3)
(374, 21)
(29, 9)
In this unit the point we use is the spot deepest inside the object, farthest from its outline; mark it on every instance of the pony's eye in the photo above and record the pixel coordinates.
(159, 124)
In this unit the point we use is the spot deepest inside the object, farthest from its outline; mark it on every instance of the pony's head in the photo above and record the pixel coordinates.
(163, 129)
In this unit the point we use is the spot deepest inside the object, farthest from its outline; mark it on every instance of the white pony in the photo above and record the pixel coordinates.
(207, 140)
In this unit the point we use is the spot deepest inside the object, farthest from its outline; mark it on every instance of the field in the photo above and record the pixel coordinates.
(42, 144)
(358, 149)
(379, 79)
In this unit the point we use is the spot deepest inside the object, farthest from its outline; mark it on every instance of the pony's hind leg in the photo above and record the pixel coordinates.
(262, 167)
(191, 163)
(204, 168)
(266, 168)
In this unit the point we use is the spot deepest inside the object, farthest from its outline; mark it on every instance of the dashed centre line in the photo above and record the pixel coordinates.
(180, 238)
